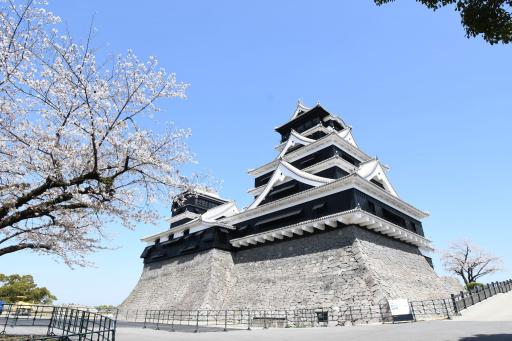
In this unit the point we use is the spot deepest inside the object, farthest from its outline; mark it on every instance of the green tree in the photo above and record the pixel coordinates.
(22, 288)
(490, 18)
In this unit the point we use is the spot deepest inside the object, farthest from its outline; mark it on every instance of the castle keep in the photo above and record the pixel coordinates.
(326, 228)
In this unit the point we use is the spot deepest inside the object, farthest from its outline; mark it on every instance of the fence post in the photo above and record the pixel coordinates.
(249, 319)
(52, 321)
(264, 319)
(225, 320)
(172, 320)
(454, 303)
(412, 311)
(81, 327)
(158, 321)
(145, 318)
(197, 322)
(446, 308)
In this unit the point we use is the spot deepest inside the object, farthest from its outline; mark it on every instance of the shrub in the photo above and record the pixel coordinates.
(471, 286)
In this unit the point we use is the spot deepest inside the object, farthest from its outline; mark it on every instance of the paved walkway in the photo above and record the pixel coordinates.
(420, 331)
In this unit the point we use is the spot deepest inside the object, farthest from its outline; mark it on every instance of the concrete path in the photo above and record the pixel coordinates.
(420, 331)
(496, 308)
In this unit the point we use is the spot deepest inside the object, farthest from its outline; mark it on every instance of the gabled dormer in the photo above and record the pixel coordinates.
(375, 172)
(285, 171)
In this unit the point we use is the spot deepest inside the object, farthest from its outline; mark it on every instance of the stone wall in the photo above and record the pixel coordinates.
(400, 269)
(199, 281)
(320, 270)
(347, 266)
(452, 284)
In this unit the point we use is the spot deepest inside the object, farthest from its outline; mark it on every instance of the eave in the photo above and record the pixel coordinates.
(335, 161)
(318, 127)
(303, 116)
(331, 139)
(188, 225)
(352, 217)
(181, 216)
(285, 170)
(347, 182)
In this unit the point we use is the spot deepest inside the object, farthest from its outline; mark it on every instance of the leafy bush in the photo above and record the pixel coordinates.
(471, 286)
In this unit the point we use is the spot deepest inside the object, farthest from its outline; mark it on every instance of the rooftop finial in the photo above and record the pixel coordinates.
(317, 102)
(301, 108)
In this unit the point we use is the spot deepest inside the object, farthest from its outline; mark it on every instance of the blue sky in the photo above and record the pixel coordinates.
(431, 104)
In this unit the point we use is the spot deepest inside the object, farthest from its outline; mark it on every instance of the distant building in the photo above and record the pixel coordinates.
(326, 228)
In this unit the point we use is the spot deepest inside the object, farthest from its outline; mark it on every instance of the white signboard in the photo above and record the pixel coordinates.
(399, 307)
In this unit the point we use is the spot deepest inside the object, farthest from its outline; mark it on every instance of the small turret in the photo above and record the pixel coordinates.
(192, 203)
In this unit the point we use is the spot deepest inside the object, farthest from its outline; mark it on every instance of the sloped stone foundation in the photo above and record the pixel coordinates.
(348, 266)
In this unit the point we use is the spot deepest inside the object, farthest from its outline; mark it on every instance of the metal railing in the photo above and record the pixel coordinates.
(196, 320)
(62, 323)
(466, 299)
(432, 309)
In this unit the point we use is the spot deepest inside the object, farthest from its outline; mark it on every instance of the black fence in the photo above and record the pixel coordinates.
(198, 320)
(466, 299)
(60, 323)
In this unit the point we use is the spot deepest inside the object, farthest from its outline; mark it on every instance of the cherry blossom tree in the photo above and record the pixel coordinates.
(469, 261)
(75, 149)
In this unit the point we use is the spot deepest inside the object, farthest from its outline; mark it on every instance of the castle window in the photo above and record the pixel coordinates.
(308, 161)
(393, 218)
(377, 182)
(319, 209)
(282, 189)
(281, 218)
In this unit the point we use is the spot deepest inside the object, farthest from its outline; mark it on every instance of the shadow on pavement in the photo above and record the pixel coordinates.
(488, 337)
